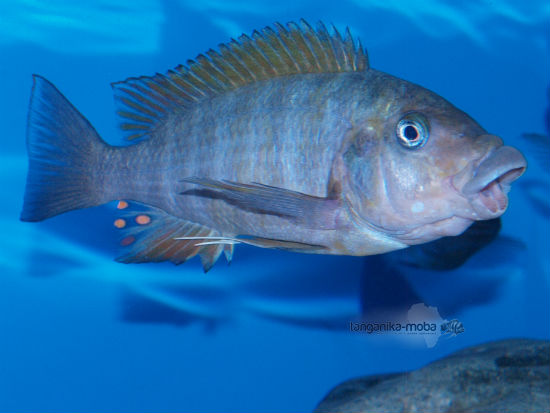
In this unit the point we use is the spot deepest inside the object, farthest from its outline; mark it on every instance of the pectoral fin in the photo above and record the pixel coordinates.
(305, 210)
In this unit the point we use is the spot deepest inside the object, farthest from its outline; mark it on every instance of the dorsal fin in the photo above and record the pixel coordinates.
(296, 48)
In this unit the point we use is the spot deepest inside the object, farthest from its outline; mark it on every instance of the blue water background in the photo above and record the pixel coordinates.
(64, 345)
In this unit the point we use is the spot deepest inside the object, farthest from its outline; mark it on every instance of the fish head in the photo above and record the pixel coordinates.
(420, 169)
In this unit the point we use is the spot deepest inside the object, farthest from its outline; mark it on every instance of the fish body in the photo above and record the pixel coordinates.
(265, 132)
(287, 139)
(258, 134)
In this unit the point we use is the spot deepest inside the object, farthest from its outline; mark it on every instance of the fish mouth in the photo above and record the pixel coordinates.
(489, 182)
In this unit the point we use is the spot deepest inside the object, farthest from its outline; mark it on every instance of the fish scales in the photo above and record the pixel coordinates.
(287, 139)
(285, 131)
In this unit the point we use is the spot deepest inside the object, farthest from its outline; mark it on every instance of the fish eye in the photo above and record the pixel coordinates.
(413, 130)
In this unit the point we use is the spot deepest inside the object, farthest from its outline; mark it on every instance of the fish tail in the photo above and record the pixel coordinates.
(63, 149)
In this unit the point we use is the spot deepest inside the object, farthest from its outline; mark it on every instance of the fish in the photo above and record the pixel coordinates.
(536, 192)
(453, 327)
(539, 143)
(538, 148)
(481, 258)
(448, 253)
(285, 139)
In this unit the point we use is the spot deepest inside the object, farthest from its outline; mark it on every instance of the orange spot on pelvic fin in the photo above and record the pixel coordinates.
(143, 219)
(122, 205)
(127, 241)
(120, 223)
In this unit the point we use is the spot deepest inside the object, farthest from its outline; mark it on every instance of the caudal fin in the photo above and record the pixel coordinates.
(63, 148)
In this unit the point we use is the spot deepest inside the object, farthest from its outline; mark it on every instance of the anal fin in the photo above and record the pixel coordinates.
(151, 235)
(209, 255)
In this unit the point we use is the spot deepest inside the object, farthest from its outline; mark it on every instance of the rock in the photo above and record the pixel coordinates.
(502, 376)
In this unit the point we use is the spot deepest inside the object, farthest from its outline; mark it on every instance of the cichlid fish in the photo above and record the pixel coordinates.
(285, 139)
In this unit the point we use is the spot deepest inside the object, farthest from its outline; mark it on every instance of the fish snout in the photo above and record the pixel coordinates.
(491, 141)
(486, 185)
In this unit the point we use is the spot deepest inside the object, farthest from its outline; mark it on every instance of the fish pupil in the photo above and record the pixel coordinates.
(411, 133)
(413, 130)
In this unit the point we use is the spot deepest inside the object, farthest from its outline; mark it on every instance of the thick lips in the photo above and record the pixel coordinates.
(491, 181)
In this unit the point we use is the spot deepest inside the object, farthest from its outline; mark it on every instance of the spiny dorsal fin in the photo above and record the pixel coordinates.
(296, 48)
